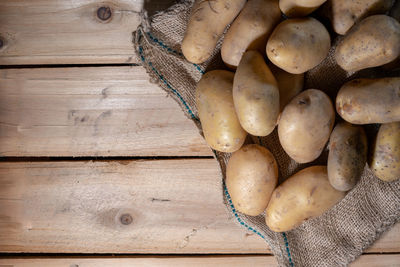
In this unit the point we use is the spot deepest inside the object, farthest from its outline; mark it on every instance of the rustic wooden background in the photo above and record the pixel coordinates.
(98, 166)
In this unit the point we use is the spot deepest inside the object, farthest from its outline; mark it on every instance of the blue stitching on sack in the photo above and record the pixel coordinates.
(155, 40)
(287, 248)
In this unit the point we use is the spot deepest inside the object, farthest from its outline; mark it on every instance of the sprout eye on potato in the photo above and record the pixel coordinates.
(298, 45)
(214, 102)
(251, 176)
(305, 125)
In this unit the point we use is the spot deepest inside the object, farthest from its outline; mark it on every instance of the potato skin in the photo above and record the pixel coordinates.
(289, 84)
(345, 13)
(250, 30)
(386, 152)
(373, 42)
(305, 125)
(251, 177)
(365, 101)
(307, 194)
(347, 155)
(298, 45)
(299, 8)
(207, 23)
(214, 102)
(255, 95)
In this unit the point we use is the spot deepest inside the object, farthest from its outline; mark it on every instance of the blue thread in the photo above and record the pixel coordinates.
(287, 248)
(155, 40)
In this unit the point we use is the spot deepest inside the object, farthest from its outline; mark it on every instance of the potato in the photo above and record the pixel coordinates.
(251, 176)
(299, 8)
(345, 13)
(250, 31)
(305, 125)
(289, 84)
(255, 95)
(364, 101)
(347, 156)
(373, 42)
(214, 101)
(305, 195)
(207, 23)
(386, 152)
(298, 45)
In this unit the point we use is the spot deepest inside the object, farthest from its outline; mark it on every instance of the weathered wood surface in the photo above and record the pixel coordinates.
(68, 32)
(175, 205)
(183, 261)
(96, 111)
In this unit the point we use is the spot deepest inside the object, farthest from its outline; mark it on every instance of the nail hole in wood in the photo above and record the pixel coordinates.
(104, 13)
(126, 219)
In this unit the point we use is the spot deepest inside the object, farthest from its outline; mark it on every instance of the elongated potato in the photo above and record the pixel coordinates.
(347, 156)
(345, 13)
(364, 101)
(207, 23)
(373, 42)
(299, 8)
(256, 95)
(214, 101)
(250, 30)
(386, 152)
(305, 195)
(251, 176)
(305, 125)
(289, 84)
(298, 45)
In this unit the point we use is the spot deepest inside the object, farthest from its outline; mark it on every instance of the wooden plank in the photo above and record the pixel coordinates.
(176, 207)
(193, 261)
(68, 32)
(96, 111)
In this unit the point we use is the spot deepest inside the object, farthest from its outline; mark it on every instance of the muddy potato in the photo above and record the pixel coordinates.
(347, 155)
(345, 13)
(307, 194)
(251, 176)
(250, 30)
(365, 101)
(255, 95)
(298, 45)
(386, 152)
(289, 84)
(299, 8)
(305, 125)
(207, 23)
(214, 102)
(373, 42)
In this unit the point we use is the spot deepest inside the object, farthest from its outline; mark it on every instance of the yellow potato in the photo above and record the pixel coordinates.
(256, 95)
(298, 45)
(373, 42)
(214, 102)
(305, 125)
(207, 23)
(364, 101)
(251, 176)
(289, 84)
(299, 8)
(250, 30)
(305, 195)
(347, 155)
(345, 13)
(386, 153)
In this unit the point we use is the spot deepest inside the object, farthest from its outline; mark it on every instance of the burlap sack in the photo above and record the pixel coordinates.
(338, 236)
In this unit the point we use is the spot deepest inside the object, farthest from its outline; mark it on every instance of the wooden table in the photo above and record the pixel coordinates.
(97, 160)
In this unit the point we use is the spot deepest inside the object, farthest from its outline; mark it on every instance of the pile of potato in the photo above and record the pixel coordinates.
(260, 96)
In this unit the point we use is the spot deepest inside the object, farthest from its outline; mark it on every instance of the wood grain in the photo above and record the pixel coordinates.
(95, 111)
(67, 32)
(76, 207)
(182, 261)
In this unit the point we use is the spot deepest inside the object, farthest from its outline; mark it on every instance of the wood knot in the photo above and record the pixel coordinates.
(2, 42)
(126, 219)
(104, 13)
